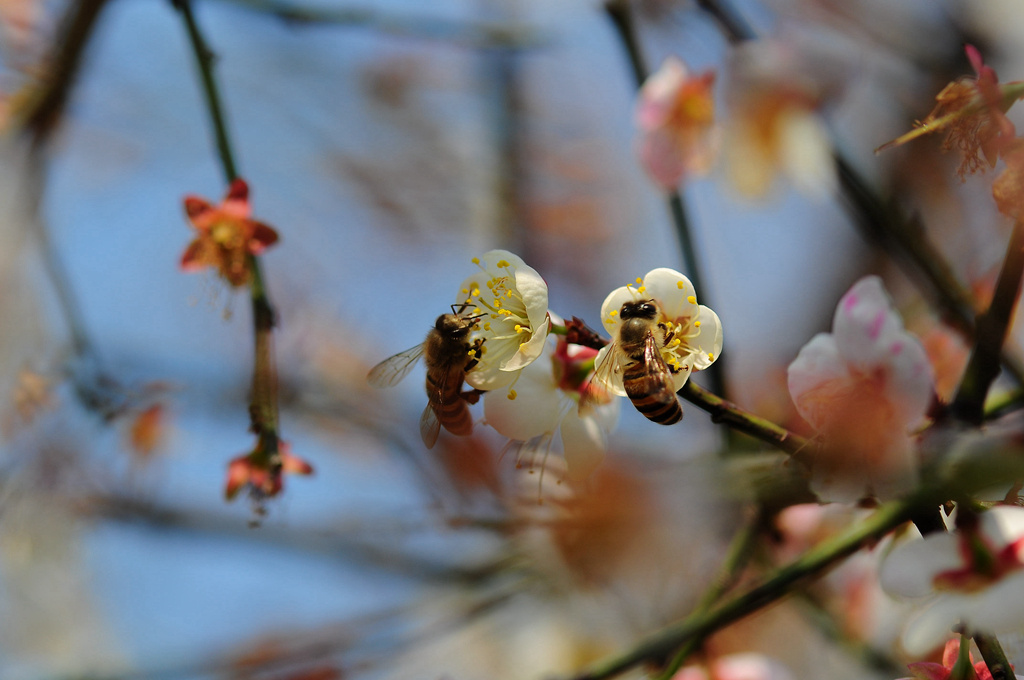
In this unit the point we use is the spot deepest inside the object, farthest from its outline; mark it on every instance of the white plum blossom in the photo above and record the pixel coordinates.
(693, 332)
(973, 577)
(864, 387)
(545, 401)
(511, 300)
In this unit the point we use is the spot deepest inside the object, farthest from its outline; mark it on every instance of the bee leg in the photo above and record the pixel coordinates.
(474, 353)
(471, 396)
(668, 335)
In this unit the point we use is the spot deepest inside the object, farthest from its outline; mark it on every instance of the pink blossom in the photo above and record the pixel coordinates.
(262, 471)
(747, 666)
(675, 115)
(929, 670)
(863, 387)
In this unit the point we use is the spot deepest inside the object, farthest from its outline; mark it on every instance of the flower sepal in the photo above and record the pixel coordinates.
(262, 470)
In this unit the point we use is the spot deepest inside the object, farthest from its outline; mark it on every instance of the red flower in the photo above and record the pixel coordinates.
(227, 237)
(262, 471)
(929, 670)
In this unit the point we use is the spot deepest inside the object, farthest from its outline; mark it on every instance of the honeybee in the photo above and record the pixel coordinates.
(448, 355)
(646, 378)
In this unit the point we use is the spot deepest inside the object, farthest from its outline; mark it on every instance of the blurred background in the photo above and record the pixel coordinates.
(389, 142)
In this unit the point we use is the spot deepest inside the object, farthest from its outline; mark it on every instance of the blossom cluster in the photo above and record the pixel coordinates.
(541, 376)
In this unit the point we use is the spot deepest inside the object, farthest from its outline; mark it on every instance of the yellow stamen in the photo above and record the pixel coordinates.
(503, 263)
(639, 280)
(475, 260)
(692, 300)
(511, 394)
(614, 312)
(711, 357)
(641, 289)
(696, 324)
(680, 285)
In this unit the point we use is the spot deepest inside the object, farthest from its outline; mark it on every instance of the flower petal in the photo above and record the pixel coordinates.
(536, 409)
(611, 306)
(708, 340)
(263, 235)
(816, 377)
(658, 93)
(584, 443)
(661, 158)
(236, 202)
(1004, 524)
(865, 323)
(673, 291)
(910, 568)
(805, 152)
(198, 210)
(930, 626)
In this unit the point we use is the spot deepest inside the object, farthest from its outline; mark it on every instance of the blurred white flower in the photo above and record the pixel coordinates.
(545, 400)
(863, 387)
(512, 299)
(774, 126)
(972, 577)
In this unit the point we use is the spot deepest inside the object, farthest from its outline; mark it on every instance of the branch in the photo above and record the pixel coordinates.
(885, 225)
(43, 110)
(811, 564)
(723, 411)
(263, 401)
(995, 658)
(983, 368)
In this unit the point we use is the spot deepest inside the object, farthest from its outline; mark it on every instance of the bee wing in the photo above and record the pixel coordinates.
(598, 390)
(391, 371)
(657, 376)
(430, 427)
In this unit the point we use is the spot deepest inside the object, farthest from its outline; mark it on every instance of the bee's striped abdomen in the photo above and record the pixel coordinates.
(448, 405)
(656, 403)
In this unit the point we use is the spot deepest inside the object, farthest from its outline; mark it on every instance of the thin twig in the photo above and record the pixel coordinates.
(43, 110)
(994, 656)
(263, 403)
(723, 411)
(813, 563)
(732, 567)
(993, 325)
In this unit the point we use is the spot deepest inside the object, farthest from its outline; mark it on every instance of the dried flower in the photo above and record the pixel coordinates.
(972, 113)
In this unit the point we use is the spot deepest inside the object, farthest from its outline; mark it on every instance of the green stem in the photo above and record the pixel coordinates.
(993, 325)
(263, 401)
(813, 563)
(735, 562)
(994, 656)
(723, 411)
(204, 60)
